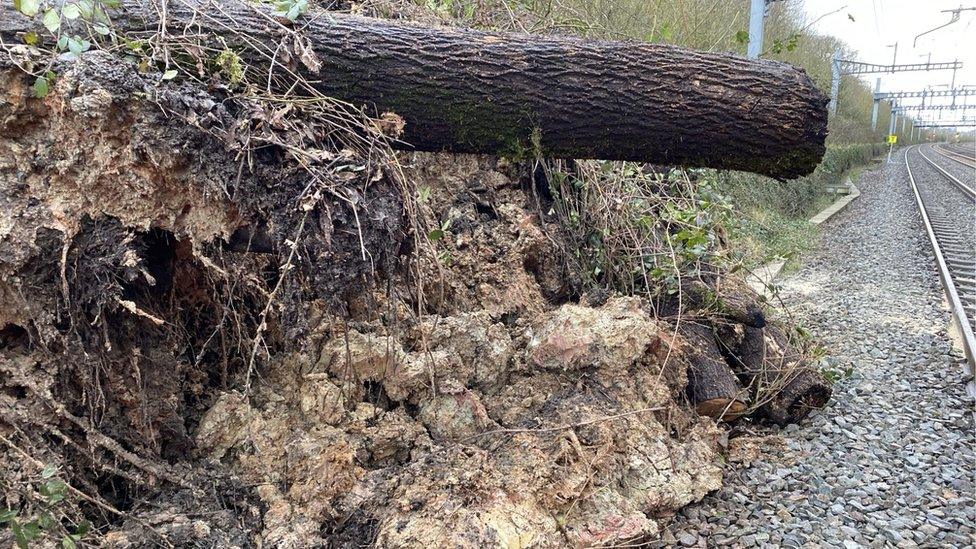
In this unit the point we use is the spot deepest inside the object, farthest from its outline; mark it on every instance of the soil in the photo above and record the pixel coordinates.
(515, 411)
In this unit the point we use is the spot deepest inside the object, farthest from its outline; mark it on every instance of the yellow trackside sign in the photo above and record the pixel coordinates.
(892, 139)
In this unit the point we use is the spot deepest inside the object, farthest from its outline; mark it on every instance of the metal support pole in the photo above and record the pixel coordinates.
(835, 82)
(757, 16)
(874, 109)
(892, 120)
(903, 120)
(953, 86)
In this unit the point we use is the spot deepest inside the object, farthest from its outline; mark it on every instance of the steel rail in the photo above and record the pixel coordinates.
(962, 186)
(955, 303)
(945, 152)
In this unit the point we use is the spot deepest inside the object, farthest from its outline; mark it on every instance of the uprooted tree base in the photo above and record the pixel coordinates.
(213, 349)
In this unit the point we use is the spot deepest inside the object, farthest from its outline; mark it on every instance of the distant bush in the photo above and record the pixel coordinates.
(772, 215)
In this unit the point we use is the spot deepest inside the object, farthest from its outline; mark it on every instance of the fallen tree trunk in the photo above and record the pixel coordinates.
(712, 387)
(786, 387)
(475, 92)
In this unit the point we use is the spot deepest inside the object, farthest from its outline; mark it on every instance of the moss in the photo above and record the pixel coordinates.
(230, 67)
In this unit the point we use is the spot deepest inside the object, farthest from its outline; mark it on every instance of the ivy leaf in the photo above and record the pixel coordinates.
(28, 7)
(170, 74)
(52, 21)
(40, 87)
(71, 11)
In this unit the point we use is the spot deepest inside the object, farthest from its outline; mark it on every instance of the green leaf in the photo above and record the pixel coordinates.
(85, 8)
(71, 11)
(54, 490)
(49, 470)
(101, 29)
(742, 37)
(435, 235)
(52, 20)
(31, 530)
(68, 543)
(7, 515)
(28, 7)
(292, 9)
(111, 3)
(74, 45)
(83, 528)
(31, 38)
(45, 521)
(40, 87)
(170, 74)
(19, 537)
(63, 43)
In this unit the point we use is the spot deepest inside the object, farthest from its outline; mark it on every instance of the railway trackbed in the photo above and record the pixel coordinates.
(957, 153)
(947, 204)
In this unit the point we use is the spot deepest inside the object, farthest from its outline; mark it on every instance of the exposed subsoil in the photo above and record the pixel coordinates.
(192, 391)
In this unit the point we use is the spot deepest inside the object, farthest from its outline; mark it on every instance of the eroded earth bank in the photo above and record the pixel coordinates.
(233, 323)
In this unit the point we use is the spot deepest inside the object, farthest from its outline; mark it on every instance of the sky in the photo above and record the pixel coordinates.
(878, 24)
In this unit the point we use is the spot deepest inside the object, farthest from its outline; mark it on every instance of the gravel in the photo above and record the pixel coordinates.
(960, 171)
(890, 462)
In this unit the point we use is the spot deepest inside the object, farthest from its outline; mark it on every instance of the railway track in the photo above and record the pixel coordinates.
(956, 153)
(948, 209)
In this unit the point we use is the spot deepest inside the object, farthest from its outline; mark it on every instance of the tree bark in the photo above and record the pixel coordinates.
(477, 92)
(782, 381)
(712, 387)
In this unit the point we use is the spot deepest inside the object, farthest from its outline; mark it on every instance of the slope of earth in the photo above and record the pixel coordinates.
(890, 463)
(324, 380)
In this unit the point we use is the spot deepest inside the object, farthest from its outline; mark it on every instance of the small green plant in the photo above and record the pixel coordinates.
(73, 28)
(291, 9)
(789, 44)
(835, 374)
(440, 232)
(46, 519)
(230, 67)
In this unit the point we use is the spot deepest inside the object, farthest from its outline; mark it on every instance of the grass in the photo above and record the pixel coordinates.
(772, 217)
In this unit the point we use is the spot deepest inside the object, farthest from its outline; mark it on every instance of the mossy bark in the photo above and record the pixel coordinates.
(476, 92)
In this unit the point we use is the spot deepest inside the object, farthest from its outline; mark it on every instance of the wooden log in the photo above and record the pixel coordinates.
(467, 91)
(712, 387)
(783, 382)
(734, 300)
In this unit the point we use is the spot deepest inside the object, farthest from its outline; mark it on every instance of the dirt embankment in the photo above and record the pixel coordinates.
(208, 363)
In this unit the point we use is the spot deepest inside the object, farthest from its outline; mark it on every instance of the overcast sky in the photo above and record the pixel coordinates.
(879, 23)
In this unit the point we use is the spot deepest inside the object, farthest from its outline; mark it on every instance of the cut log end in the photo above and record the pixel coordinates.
(806, 392)
(722, 409)
(712, 386)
